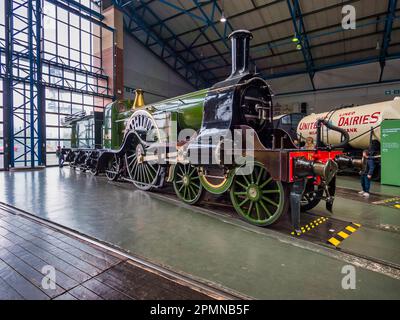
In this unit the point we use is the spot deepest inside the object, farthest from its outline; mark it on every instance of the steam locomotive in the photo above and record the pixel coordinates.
(219, 140)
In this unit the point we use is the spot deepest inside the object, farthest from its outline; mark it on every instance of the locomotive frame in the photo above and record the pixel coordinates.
(282, 177)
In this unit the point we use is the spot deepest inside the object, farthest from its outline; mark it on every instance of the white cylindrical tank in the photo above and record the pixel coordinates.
(358, 121)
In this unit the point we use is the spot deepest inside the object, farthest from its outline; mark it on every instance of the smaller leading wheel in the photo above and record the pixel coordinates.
(187, 184)
(311, 198)
(257, 198)
(113, 166)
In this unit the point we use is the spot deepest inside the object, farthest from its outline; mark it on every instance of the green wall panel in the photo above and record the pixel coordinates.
(391, 152)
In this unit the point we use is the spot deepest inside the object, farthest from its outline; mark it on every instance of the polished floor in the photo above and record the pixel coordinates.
(257, 262)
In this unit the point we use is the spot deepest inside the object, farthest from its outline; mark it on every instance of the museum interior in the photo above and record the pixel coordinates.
(199, 150)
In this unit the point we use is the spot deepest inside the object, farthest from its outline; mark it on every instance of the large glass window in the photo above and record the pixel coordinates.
(72, 72)
(59, 104)
(74, 42)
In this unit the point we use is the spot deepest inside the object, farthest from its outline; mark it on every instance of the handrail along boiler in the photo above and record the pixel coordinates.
(283, 177)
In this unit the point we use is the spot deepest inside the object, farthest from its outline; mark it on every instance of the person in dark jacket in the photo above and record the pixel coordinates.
(60, 156)
(366, 173)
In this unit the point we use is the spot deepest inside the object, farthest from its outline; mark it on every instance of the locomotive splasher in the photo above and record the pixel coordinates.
(162, 143)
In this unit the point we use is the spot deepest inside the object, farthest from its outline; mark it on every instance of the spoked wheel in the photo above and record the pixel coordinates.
(92, 164)
(311, 198)
(258, 198)
(187, 184)
(113, 166)
(143, 174)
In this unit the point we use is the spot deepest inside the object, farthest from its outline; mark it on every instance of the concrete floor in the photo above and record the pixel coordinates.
(353, 182)
(252, 261)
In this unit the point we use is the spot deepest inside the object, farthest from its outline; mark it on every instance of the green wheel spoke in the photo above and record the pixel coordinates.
(244, 202)
(265, 208)
(182, 186)
(250, 208)
(186, 168)
(192, 190)
(260, 174)
(240, 193)
(271, 191)
(241, 184)
(184, 192)
(246, 181)
(266, 182)
(270, 201)
(252, 177)
(258, 211)
(198, 186)
(192, 172)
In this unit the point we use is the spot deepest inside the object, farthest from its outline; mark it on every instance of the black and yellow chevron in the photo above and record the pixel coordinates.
(338, 238)
(311, 226)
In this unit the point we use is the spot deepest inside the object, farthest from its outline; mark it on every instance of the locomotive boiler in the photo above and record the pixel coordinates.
(220, 140)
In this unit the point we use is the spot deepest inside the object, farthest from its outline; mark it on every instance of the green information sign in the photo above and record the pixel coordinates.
(390, 144)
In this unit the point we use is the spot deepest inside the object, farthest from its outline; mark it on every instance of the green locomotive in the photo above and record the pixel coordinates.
(165, 142)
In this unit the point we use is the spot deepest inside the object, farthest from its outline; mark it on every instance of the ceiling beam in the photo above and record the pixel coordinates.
(387, 35)
(375, 33)
(265, 26)
(133, 17)
(301, 33)
(287, 40)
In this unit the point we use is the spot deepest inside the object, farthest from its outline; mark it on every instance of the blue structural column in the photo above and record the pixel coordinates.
(41, 118)
(7, 90)
(387, 35)
(24, 90)
(299, 28)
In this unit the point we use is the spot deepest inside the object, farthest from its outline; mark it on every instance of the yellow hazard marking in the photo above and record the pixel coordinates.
(343, 235)
(351, 229)
(334, 241)
(310, 226)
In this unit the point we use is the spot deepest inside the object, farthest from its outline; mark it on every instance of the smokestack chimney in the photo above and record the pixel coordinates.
(240, 52)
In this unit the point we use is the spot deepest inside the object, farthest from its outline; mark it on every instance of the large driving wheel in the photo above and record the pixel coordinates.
(113, 167)
(187, 184)
(144, 173)
(257, 198)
